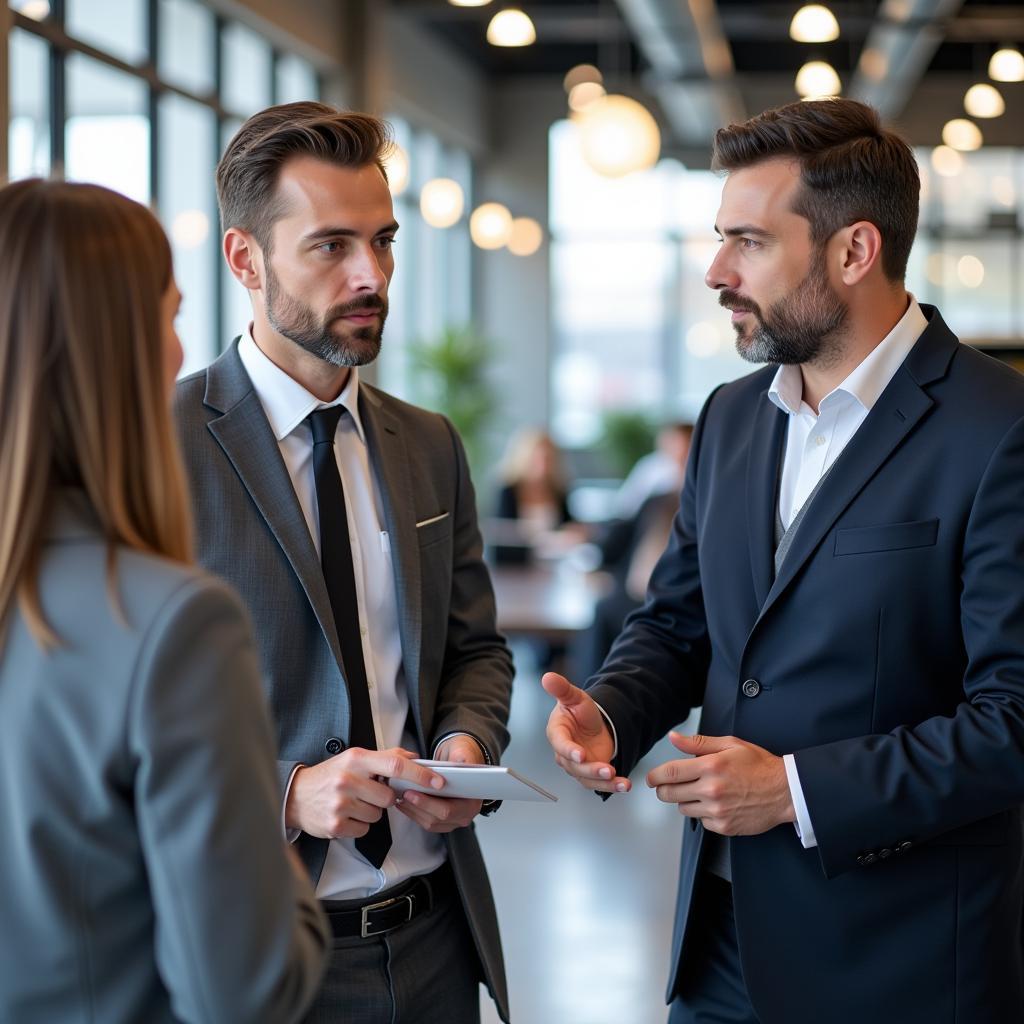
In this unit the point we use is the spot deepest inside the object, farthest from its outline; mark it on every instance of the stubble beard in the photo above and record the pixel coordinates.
(806, 326)
(345, 346)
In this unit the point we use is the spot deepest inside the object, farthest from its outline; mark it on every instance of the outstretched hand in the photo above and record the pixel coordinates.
(580, 737)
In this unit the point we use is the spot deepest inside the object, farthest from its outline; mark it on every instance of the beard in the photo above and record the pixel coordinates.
(339, 345)
(805, 326)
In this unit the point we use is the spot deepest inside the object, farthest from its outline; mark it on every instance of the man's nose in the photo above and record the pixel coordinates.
(720, 274)
(368, 274)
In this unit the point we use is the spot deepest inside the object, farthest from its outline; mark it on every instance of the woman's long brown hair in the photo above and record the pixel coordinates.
(83, 395)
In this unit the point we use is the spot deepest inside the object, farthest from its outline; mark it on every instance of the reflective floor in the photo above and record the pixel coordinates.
(585, 889)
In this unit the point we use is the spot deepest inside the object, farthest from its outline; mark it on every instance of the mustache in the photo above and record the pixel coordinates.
(735, 301)
(371, 304)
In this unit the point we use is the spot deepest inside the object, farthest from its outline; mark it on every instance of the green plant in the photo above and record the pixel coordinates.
(450, 374)
(626, 435)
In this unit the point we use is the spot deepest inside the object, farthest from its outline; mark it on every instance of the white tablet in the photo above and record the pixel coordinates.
(477, 782)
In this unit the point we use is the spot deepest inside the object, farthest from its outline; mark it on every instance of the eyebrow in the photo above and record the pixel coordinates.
(743, 229)
(335, 232)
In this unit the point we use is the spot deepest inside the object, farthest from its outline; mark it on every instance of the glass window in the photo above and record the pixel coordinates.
(247, 70)
(106, 137)
(116, 26)
(295, 79)
(188, 133)
(186, 45)
(28, 131)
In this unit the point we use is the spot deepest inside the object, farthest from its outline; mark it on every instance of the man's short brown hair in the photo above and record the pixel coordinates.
(248, 171)
(851, 169)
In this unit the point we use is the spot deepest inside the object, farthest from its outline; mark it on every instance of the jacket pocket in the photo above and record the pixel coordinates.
(892, 537)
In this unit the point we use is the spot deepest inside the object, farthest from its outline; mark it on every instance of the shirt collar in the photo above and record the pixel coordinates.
(869, 378)
(285, 401)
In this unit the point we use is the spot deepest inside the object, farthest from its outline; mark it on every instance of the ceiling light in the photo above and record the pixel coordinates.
(396, 163)
(962, 134)
(1006, 65)
(490, 225)
(984, 101)
(190, 228)
(817, 78)
(37, 10)
(814, 23)
(526, 236)
(874, 63)
(947, 162)
(1003, 191)
(618, 136)
(971, 271)
(511, 27)
(441, 202)
(469, 3)
(580, 74)
(584, 94)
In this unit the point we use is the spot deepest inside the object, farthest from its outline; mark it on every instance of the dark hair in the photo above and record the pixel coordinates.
(248, 171)
(851, 169)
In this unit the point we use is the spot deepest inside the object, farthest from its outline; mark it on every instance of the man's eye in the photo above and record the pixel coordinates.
(330, 248)
(385, 242)
(750, 243)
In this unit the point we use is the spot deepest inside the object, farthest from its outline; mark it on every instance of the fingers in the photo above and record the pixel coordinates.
(461, 750)
(699, 745)
(595, 775)
(561, 733)
(678, 771)
(562, 690)
(394, 764)
(436, 814)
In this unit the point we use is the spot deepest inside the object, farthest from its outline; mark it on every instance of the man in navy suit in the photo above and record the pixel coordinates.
(843, 593)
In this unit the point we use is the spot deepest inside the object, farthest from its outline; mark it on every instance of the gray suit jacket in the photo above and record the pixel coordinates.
(251, 532)
(142, 873)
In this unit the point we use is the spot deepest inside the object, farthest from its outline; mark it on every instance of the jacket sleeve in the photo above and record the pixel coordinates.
(239, 935)
(476, 676)
(656, 671)
(919, 781)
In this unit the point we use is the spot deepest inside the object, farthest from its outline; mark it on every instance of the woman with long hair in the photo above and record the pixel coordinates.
(143, 873)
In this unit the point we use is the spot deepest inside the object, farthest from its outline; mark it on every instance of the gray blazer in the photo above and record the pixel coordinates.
(143, 875)
(251, 532)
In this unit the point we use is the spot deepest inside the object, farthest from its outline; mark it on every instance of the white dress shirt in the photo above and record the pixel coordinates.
(346, 873)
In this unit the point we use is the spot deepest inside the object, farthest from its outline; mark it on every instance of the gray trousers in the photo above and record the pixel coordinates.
(426, 972)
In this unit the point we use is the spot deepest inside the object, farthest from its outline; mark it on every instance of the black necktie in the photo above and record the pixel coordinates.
(336, 559)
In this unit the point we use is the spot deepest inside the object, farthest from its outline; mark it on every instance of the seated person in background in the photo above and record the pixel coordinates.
(534, 494)
(659, 472)
(143, 873)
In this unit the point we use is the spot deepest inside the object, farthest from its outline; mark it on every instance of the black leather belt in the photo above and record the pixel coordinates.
(391, 908)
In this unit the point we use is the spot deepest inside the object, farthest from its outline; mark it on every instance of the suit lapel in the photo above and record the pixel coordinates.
(763, 461)
(244, 434)
(897, 412)
(389, 459)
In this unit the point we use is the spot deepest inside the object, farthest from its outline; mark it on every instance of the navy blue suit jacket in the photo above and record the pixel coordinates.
(890, 657)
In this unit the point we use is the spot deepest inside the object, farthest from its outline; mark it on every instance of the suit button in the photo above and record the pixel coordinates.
(751, 688)
(904, 846)
(334, 745)
(869, 858)
(884, 853)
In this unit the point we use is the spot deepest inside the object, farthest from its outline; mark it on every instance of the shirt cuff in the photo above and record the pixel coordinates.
(803, 826)
(290, 834)
(611, 729)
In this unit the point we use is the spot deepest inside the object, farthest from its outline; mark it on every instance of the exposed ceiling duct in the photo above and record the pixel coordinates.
(691, 65)
(898, 51)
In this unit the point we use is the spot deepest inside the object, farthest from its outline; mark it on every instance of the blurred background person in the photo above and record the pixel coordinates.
(143, 876)
(657, 473)
(533, 500)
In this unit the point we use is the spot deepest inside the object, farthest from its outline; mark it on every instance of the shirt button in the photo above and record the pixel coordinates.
(333, 745)
(362, 631)
(751, 688)
(819, 440)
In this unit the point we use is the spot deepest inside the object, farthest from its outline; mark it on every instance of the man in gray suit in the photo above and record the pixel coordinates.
(346, 519)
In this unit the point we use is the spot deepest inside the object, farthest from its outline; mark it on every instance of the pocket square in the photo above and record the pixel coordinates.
(432, 519)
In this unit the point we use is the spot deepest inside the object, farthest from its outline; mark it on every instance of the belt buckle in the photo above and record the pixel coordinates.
(364, 928)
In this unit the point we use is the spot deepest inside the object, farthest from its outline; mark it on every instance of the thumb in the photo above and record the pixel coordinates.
(698, 744)
(561, 689)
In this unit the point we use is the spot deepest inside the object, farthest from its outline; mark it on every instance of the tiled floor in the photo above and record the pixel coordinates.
(585, 889)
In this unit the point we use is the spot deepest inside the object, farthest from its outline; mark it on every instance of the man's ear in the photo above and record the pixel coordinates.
(860, 250)
(244, 258)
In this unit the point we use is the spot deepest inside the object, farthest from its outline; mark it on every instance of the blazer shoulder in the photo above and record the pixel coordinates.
(413, 416)
(993, 386)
